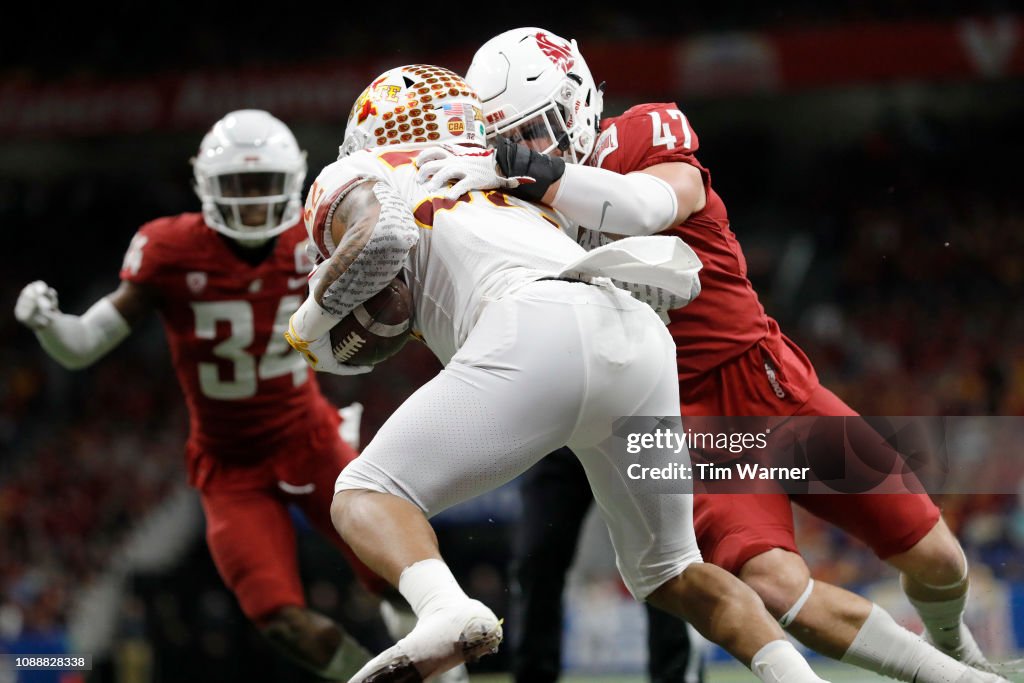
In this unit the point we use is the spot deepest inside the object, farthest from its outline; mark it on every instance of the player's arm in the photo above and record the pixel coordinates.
(374, 230)
(77, 341)
(639, 203)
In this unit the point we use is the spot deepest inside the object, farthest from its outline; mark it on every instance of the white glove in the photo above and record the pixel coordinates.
(470, 168)
(319, 355)
(37, 305)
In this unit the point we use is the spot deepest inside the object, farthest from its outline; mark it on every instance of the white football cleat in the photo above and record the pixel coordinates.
(440, 641)
(400, 621)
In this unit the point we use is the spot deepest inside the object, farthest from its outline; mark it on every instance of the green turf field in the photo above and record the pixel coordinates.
(719, 673)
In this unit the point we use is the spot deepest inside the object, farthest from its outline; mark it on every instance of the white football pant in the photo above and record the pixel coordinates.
(554, 364)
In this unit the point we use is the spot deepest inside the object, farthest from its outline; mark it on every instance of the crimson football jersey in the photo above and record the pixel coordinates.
(246, 390)
(727, 318)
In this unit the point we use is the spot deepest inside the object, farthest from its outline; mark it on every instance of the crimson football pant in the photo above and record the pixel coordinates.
(249, 529)
(556, 497)
(733, 528)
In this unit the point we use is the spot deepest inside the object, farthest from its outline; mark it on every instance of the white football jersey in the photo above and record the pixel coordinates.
(470, 252)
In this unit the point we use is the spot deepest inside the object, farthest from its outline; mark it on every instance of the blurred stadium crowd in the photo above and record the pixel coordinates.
(219, 35)
(893, 257)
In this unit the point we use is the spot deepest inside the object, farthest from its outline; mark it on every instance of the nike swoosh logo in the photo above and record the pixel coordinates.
(604, 209)
(295, 282)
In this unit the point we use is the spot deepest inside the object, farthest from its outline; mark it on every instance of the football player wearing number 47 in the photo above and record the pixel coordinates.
(539, 349)
(637, 174)
(225, 282)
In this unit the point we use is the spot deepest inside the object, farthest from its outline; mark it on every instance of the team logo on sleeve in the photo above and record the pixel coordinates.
(195, 281)
(133, 257)
(606, 144)
(560, 54)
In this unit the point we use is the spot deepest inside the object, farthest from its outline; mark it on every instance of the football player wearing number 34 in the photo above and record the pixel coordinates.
(262, 436)
(637, 174)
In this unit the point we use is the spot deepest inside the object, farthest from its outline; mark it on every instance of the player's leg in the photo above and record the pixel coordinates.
(656, 551)
(659, 561)
(555, 498)
(751, 536)
(252, 541)
(888, 522)
(308, 473)
(322, 458)
(936, 580)
(821, 616)
(907, 531)
(832, 620)
(475, 426)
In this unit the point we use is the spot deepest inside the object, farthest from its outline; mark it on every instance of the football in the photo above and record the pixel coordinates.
(377, 329)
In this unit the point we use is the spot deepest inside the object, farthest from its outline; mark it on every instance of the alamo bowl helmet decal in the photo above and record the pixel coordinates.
(536, 89)
(248, 174)
(415, 104)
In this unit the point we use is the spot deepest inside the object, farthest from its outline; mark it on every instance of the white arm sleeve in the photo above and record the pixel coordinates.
(630, 204)
(79, 341)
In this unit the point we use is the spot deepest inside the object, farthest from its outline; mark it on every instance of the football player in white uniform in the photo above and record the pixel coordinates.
(540, 350)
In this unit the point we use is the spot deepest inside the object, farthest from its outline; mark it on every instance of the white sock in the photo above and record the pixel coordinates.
(885, 647)
(429, 586)
(779, 662)
(347, 661)
(942, 620)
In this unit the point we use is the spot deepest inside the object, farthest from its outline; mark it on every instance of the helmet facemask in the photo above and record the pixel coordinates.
(537, 90)
(251, 206)
(249, 175)
(549, 128)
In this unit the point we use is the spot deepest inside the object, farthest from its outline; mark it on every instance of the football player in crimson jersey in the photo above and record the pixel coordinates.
(638, 174)
(225, 282)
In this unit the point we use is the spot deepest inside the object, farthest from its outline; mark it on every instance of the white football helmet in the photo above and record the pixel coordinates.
(536, 89)
(248, 174)
(416, 104)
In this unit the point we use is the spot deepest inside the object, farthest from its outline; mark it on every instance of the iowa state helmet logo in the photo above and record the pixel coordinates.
(559, 54)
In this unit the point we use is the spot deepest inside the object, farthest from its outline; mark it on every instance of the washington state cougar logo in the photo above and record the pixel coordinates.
(560, 55)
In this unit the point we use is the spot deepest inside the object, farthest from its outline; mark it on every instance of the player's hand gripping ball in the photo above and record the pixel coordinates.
(375, 330)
